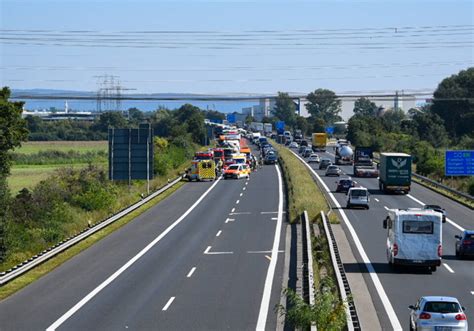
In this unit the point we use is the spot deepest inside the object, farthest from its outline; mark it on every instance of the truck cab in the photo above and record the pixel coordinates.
(414, 237)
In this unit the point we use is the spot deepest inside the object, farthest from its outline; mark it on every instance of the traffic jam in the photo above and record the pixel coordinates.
(232, 158)
(414, 235)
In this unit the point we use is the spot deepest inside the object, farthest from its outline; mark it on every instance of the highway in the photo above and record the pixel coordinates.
(403, 287)
(210, 257)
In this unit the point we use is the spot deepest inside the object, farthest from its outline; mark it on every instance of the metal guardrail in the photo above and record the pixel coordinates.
(45, 255)
(308, 261)
(344, 288)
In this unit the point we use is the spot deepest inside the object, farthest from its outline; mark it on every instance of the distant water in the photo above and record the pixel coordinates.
(89, 105)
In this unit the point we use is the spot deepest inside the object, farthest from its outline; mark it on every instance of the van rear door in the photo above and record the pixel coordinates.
(419, 237)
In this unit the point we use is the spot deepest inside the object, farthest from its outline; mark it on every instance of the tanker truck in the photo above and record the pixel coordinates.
(343, 155)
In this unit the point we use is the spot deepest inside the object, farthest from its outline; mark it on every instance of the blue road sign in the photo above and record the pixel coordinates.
(459, 163)
(280, 127)
(329, 129)
(231, 118)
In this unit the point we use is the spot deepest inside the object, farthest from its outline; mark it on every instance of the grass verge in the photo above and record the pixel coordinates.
(303, 194)
(34, 274)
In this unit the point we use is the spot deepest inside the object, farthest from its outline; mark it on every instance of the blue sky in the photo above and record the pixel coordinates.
(235, 47)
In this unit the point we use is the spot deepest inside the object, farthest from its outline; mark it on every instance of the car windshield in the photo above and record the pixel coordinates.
(239, 161)
(359, 193)
(422, 227)
(442, 307)
(345, 182)
(234, 167)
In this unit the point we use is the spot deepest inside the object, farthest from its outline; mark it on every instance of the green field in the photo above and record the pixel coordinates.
(28, 176)
(33, 147)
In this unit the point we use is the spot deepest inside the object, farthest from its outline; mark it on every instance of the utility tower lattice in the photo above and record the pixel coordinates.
(109, 93)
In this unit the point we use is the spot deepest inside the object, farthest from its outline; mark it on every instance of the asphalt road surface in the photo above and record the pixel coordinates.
(454, 277)
(210, 257)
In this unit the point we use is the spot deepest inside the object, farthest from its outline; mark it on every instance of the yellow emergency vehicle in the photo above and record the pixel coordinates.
(201, 170)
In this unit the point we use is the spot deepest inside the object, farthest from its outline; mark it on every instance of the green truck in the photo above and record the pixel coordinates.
(395, 172)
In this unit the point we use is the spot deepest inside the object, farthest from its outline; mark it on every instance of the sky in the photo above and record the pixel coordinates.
(230, 47)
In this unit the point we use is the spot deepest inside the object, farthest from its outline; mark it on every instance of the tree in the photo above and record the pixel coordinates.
(303, 125)
(324, 104)
(430, 127)
(111, 119)
(193, 118)
(249, 119)
(364, 106)
(13, 131)
(392, 120)
(285, 109)
(135, 116)
(454, 102)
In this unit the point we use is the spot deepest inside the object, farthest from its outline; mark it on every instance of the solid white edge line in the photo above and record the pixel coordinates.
(127, 265)
(373, 275)
(191, 272)
(267, 290)
(168, 304)
(448, 267)
(457, 226)
(218, 233)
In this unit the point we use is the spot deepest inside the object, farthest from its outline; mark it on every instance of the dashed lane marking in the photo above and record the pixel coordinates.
(448, 267)
(218, 233)
(229, 220)
(233, 209)
(457, 226)
(168, 304)
(191, 272)
(376, 199)
(274, 218)
(268, 257)
(244, 188)
(237, 202)
(241, 194)
(208, 252)
(386, 208)
(262, 252)
(240, 213)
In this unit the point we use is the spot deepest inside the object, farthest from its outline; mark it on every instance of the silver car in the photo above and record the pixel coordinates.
(438, 313)
(333, 170)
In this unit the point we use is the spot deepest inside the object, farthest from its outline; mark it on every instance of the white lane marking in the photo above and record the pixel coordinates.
(233, 209)
(274, 218)
(376, 199)
(127, 265)
(191, 272)
(244, 188)
(241, 194)
(386, 208)
(448, 267)
(246, 183)
(240, 213)
(207, 252)
(268, 257)
(267, 290)
(472, 292)
(262, 252)
(450, 221)
(168, 304)
(373, 275)
(237, 202)
(218, 233)
(268, 212)
(229, 220)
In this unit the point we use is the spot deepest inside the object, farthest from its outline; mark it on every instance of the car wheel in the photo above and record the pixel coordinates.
(433, 268)
(367, 207)
(457, 253)
(348, 206)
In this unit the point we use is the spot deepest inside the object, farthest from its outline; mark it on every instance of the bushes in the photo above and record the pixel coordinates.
(59, 157)
(170, 155)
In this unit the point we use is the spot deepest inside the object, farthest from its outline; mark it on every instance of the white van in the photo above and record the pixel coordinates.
(414, 237)
(358, 196)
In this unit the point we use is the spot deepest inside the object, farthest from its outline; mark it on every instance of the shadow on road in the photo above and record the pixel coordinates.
(385, 268)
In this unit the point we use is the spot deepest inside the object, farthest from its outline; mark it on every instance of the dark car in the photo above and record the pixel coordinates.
(437, 209)
(307, 152)
(270, 158)
(465, 244)
(304, 143)
(324, 163)
(344, 184)
(301, 149)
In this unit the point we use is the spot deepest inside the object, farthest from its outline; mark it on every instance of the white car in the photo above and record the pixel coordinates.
(438, 313)
(294, 145)
(358, 196)
(313, 158)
